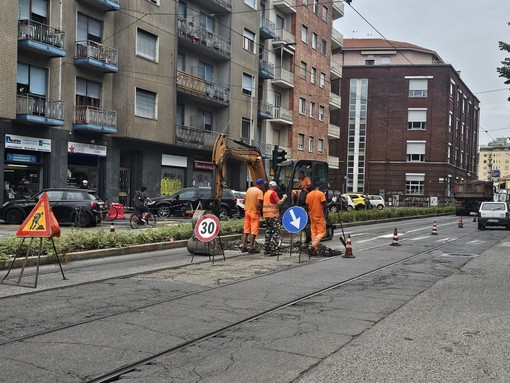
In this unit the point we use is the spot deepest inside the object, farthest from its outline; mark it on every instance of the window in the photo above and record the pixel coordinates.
(418, 87)
(304, 34)
(155, 2)
(320, 146)
(36, 10)
(450, 121)
(146, 45)
(248, 84)
(249, 40)
(245, 128)
(179, 114)
(313, 77)
(315, 40)
(181, 62)
(301, 141)
(322, 82)
(312, 109)
(325, 12)
(305, 3)
(415, 183)
(302, 71)
(417, 119)
(321, 113)
(302, 105)
(385, 60)
(206, 119)
(88, 93)
(250, 3)
(88, 29)
(324, 47)
(415, 151)
(31, 79)
(370, 62)
(315, 7)
(145, 104)
(311, 144)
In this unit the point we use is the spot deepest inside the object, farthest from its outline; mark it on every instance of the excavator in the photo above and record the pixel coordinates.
(287, 174)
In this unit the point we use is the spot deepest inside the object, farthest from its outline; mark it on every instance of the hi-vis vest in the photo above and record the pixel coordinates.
(270, 210)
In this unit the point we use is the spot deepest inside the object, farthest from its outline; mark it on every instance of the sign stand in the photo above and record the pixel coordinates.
(294, 221)
(40, 223)
(207, 230)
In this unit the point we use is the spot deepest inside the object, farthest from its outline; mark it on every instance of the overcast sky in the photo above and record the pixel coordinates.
(464, 33)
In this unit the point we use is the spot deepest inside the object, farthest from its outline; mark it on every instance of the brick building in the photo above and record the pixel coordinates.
(409, 124)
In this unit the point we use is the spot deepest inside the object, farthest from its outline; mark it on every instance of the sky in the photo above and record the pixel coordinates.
(464, 33)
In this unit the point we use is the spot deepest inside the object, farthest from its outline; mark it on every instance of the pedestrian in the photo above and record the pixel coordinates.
(252, 210)
(315, 203)
(271, 213)
(84, 184)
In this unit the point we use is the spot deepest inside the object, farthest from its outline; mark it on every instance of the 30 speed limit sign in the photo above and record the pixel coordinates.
(207, 227)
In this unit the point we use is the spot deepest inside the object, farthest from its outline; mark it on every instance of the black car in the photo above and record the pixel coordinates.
(65, 203)
(174, 204)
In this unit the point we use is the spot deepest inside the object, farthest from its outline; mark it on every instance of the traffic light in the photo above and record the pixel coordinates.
(278, 156)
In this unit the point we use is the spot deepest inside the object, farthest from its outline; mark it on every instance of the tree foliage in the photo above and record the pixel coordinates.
(504, 71)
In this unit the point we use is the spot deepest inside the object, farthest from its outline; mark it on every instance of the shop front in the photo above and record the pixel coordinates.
(202, 173)
(23, 165)
(83, 163)
(173, 173)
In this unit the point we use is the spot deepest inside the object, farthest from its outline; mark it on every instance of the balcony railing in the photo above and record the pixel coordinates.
(282, 114)
(95, 116)
(337, 39)
(333, 162)
(333, 131)
(286, 6)
(267, 28)
(33, 30)
(105, 5)
(283, 78)
(201, 36)
(227, 4)
(200, 87)
(39, 107)
(195, 137)
(266, 69)
(265, 110)
(335, 101)
(336, 70)
(338, 9)
(91, 50)
(283, 36)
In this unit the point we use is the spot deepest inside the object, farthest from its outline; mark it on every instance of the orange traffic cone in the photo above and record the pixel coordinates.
(395, 238)
(112, 228)
(461, 223)
(348, 248)
(434, 229)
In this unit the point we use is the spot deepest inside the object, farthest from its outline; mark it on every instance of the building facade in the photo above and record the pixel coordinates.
(125, 96)
(409, 124)
(494, 163)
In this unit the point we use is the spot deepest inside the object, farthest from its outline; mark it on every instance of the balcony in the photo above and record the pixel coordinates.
(267, 29)
(336, 70)
(94, 120)
(266, 70)
(338, 9)
(96, 56)
(335, 101)
(216, 6)
(284, 37)
(104, 5)
(282, 116)
(197, 86)
(197, 37)
(40, 38)
(194, 137)
(333, 131)
(39, 110)
(265, 110)
(333, 162)
(285, 6)
(283, 78)
(337, 39)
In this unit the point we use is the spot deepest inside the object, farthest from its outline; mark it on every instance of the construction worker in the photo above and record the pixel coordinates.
(315, 203)
(252, 210)
(271, 213)
(304, 184)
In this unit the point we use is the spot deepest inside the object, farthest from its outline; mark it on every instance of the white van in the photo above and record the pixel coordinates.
(494, 214)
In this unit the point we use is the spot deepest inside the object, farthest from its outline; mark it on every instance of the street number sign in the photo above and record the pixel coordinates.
(207, 228)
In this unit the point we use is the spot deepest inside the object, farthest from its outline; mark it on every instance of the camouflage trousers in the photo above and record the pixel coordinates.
(273, 234)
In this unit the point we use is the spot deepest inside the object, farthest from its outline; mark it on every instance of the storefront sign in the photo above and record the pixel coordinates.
(202, 165)
(22, 157)
(27, 143)
(171, 160)
(90, 149)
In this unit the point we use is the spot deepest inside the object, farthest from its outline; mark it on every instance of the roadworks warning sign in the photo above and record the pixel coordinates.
(41, 221)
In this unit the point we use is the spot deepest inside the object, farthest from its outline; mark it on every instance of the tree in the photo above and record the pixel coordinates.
(504, 71)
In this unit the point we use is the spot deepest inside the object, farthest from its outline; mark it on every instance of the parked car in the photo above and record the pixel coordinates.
(343, 202)
(358, 199)
(377, 201)
(64, 202)
(240, 195)
(494, 214)
(174, 204)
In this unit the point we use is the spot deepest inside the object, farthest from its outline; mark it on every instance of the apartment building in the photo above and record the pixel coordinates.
(130, 95)
(409, 122)
(494, 162)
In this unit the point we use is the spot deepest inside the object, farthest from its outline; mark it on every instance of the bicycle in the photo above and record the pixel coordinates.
(136, 219)
(109, 212)
(188, 210)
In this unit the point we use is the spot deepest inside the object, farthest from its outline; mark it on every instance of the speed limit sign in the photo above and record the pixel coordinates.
(207, 228)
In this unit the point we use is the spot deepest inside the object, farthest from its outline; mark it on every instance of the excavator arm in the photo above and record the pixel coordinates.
(251, 155)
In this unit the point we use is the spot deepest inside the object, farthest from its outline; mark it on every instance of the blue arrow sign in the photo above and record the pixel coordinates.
(294, 219)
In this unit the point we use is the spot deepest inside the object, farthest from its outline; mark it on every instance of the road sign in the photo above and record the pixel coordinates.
(294, 219)
(207, 228)
(41, 221)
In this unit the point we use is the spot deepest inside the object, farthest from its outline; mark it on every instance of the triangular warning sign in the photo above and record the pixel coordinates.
(41, 221)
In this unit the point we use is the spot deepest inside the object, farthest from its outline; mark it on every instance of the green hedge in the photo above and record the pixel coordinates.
(82, 240)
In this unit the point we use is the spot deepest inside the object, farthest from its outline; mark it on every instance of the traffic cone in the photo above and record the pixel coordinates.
(348, 248)
(474, 218)
(461, 223)
(112, 228)
(395, 238)
(434, 229)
